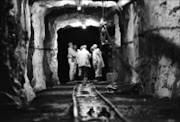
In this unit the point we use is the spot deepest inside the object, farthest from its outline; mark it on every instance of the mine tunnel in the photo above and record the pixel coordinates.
(79, 36)
(139, 41)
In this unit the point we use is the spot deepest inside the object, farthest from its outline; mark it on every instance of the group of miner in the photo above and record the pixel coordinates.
(79, 61)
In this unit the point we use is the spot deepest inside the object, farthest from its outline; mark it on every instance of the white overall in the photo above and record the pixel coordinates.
(72, 63)
(98, 62)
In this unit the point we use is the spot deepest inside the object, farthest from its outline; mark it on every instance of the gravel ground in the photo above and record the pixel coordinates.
(55, 105)
(143, 108)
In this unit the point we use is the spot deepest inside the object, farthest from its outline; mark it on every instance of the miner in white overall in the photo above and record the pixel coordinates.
(97, 61)
(83, 61)
(72, 54)
(79, 69)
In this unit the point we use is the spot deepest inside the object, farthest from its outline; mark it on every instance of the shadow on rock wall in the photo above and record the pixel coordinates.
(159, 65)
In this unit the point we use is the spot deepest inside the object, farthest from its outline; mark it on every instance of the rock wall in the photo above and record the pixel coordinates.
(159, 47)
(150, 44)
(50, 54)
(129, 51)
(14, 33)
(38, 14)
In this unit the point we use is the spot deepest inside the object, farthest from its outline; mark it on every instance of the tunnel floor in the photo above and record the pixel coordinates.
(55, 104)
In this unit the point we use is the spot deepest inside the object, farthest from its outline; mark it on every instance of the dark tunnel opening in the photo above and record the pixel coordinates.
(78, 36)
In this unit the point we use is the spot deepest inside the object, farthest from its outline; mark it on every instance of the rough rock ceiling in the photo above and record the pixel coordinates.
(66, 3)
(67, 9)
(91, 8)
(32, 1)
(56, 11)
(73, 13)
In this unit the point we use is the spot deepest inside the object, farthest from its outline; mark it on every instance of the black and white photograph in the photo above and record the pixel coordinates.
(89, 60)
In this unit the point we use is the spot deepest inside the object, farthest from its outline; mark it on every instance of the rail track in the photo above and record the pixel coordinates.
(90, 105)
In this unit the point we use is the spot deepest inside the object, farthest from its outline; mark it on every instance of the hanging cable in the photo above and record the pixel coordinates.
(79, 5)
(103, 9)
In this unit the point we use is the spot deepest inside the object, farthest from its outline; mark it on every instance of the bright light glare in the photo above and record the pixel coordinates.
(79, 23)
(79, 8)
(102, 22)
(90, 22)
(123, 2)
(84, 26)
(76, 24)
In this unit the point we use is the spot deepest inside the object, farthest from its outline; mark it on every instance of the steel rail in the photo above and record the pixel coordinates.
(113, 107)
(75, 109)
(78, 103)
